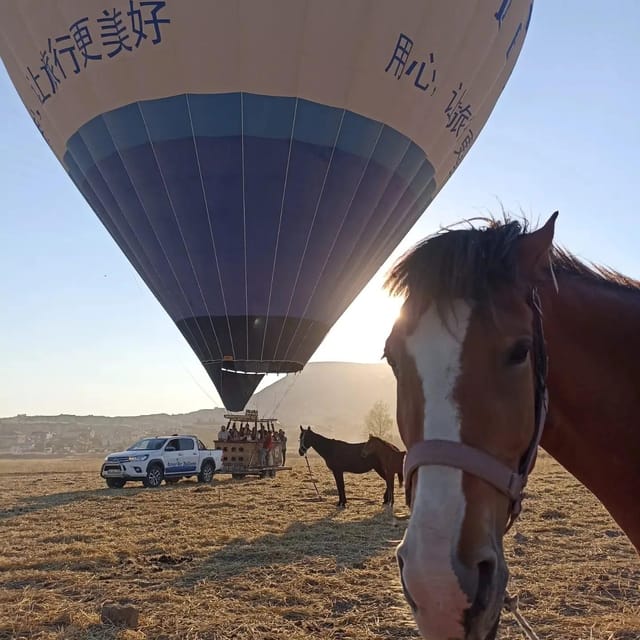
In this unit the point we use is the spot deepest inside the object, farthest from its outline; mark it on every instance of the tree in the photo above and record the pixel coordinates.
(378, 421)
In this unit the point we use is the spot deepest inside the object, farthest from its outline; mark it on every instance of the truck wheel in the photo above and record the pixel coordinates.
(171, 480)
(155, 475)
(206, 472)
(115, 483)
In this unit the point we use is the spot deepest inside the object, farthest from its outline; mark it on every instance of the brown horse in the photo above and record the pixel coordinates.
(341, 457)
(484, 311)
(391, 459)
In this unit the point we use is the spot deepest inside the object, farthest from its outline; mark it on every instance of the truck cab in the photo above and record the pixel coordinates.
(154, 459)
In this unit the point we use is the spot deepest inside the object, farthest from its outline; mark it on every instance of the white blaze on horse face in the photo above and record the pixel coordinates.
(429, 549)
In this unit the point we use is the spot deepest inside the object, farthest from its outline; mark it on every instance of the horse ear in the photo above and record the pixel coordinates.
(301, 429)
(534, 247)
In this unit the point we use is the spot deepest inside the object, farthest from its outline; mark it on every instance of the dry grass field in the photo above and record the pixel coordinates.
(266, 559)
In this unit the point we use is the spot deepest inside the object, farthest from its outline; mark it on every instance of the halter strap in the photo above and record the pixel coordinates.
(479, 463)
(448, 453)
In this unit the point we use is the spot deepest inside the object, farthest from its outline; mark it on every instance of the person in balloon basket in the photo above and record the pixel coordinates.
(282, 437)
(262, 452)
(267, 447)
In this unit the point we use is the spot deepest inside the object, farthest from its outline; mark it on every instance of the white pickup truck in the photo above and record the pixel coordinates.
(168, 458)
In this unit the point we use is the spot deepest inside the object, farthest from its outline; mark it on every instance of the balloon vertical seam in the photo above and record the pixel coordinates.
(213, 242)
(177, 221)
(275, 254)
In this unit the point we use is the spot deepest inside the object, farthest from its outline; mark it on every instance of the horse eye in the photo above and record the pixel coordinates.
(519, 352)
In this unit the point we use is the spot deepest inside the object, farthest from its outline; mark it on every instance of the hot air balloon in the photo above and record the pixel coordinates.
(257, 161)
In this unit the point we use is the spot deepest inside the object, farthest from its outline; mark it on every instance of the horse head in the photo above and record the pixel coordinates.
(469, 359)
(368, 447)
(304, 445)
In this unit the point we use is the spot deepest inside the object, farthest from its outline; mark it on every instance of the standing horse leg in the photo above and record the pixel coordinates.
(342, 496)
(381, 472)
(390, 489)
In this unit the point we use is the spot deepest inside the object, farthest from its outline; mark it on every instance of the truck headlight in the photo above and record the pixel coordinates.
(140, 458)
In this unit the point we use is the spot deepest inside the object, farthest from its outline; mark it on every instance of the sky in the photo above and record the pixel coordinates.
(80, 333)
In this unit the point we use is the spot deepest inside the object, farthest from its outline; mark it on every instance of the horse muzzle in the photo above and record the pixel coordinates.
(459, 601)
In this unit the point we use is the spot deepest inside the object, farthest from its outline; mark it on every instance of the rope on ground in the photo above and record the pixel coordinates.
(312, 478)
(511, 605)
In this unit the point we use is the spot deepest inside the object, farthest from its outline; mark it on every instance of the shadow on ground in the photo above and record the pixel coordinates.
(350, 543)
(32, 504)
(52, 501)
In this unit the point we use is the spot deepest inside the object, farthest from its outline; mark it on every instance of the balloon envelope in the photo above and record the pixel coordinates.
(257, 161)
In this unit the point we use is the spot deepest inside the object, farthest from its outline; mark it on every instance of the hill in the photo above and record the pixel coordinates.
(332, 396)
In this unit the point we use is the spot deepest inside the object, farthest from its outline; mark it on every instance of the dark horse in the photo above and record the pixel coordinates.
(505, 342)
(391, 459)
(340, 457)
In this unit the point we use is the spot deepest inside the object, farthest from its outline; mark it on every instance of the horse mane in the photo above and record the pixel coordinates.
(390, 445)
(469, 263)
(564, 262)
(329, 440)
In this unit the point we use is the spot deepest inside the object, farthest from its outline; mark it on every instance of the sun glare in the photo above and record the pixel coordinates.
(360, 334)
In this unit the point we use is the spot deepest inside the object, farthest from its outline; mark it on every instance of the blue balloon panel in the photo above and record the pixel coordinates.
(254, 220)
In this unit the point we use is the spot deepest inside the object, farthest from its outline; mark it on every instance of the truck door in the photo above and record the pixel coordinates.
(189, 456)
(172, 456)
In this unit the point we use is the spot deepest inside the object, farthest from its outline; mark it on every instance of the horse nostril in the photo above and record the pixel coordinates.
(407, 595)
(486, 579)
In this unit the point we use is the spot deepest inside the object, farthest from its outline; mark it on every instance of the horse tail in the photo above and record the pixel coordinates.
(400, 478)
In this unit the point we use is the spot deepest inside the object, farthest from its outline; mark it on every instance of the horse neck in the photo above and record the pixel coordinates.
(321, 444)
(592, 428)
(371, 448)
(379, 449)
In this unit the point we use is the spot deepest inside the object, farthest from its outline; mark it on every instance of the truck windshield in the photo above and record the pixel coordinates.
(148, 444)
